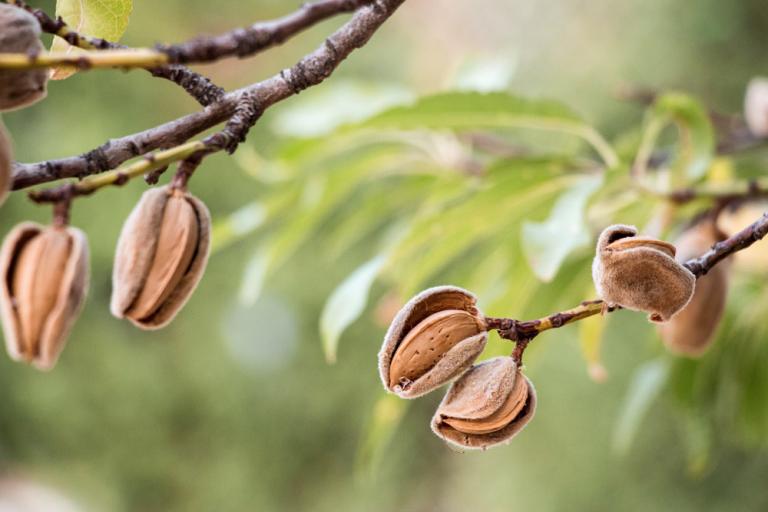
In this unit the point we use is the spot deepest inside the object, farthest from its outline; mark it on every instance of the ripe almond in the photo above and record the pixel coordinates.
(20, 33)
(692, 330)
(486, 406)
(161, 256)
(640, 273)
(45, 277)
(435, 336)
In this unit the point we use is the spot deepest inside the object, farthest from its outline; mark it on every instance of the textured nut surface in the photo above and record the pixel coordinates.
(486, 406)
(428, 341)
(756, 106)
(161, 256)
(692, 330)
(20, 33)
(433, 338)
(640, 273)
(45, 280)
(6, 160)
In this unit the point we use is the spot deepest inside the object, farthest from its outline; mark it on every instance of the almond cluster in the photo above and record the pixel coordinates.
(436, 337)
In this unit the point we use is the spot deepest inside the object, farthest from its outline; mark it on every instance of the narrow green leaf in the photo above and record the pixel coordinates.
(239, 223)
(254, 276)
(346, 304)
(472, 110)
(387, 414)
(697, 140)
(695, 146)
(591, 331)
(647, 383)
(106, 19)
(547, 244)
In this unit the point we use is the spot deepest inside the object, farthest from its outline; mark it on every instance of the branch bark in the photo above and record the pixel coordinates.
(524, 331)
(310, 70)
(198, 86)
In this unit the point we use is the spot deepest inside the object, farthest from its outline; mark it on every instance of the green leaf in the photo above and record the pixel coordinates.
(322, 109)
(696, 139)
(471, 110)
(239, 223)
(591, 334)
(647, 383)
(106, 19)
(346, 304)
(387, 414)
(254, 276)
(547, 244)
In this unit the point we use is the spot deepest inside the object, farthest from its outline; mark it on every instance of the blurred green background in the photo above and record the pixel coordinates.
(233, 406)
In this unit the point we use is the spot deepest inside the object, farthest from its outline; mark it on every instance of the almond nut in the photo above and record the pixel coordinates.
(640, 273)
(433, 338)
(20, 33)
(488, 405)
(161, 256)
(691, 331)
(45, 273)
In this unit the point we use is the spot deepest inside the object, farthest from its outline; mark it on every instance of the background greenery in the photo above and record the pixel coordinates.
(234, 407)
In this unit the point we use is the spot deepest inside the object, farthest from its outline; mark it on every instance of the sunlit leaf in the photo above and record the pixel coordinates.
(547, 244)
(346, 304)
(646, 384)
(696, 140)
(242, 221)
(387, 414)
(320, 110)
(591, 331)
(472, 110)
(106, 19)
(254, 276)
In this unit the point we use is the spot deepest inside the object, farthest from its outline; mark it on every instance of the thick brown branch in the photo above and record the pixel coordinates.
(198, 86)
(524, 331)
(310, 70)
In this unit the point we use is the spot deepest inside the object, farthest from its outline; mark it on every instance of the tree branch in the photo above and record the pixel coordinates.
(309, 71)
(241, 42)
(198, 86)
(524, 331)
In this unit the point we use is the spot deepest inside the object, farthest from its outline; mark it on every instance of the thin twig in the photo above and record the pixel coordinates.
(523, 332)
(310, 70)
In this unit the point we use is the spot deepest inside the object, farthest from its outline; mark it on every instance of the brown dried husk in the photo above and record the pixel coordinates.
(6, 163)
(640, 273)
(692, 330)
(137, 250)
(478, 397)
(453, 361)
(20, 33)
(61, 305)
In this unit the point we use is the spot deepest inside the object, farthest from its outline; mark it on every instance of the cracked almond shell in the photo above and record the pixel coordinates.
(437, 335)
(20, 33)
(487, 406)
(692, 330)
(44, 285)
(6, 161)
(640, 273)
(161, 256)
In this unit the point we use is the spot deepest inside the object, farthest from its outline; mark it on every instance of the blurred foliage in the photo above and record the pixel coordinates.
(359, 193)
